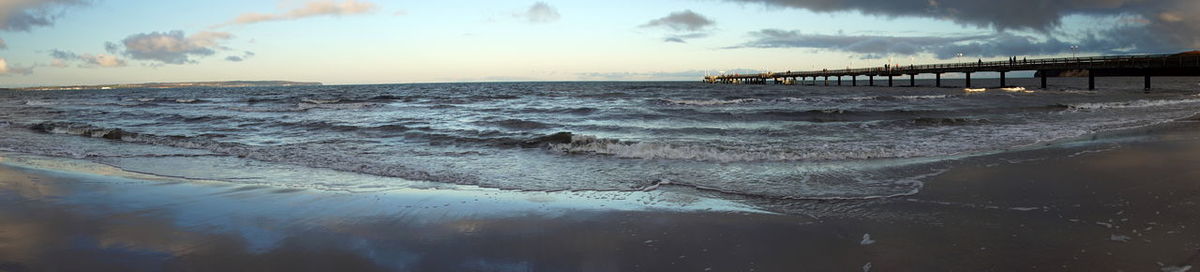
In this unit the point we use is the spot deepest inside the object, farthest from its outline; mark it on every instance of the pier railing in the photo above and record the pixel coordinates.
(1190, 62)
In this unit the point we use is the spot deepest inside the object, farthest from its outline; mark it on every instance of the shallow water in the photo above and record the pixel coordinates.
(773, 141)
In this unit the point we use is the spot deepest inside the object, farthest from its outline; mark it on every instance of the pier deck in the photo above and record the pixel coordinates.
(1187, 64)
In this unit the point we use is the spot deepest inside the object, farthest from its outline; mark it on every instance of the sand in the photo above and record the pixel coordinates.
(1124, 201)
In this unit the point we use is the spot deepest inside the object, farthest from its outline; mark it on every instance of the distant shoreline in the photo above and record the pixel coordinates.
(170, 85)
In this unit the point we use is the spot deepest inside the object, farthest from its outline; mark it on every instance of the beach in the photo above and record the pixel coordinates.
(730, 135)
(1116, 201)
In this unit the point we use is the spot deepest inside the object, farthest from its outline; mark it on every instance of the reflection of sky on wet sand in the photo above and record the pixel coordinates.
(177, 219)
(127, 225)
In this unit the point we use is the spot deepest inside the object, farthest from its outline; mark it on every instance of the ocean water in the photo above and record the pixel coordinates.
(767, 141)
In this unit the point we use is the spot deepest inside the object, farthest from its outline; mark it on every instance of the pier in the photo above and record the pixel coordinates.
(1147, 66)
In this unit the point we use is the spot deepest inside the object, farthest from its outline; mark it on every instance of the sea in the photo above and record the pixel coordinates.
(779, 142)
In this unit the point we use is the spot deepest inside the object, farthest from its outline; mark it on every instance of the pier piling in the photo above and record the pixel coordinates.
(1091, 80)
(1146, 66)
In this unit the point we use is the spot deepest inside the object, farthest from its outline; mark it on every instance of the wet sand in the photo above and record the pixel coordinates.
(1123, 201)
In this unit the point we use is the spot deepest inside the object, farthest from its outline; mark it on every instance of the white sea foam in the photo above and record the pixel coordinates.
(336, 106)
(320, 101)
(711, 102)
(1143, 103)
(866, 239)
(921, 97)
(1184, 268)
(861, 98)
(650, 150)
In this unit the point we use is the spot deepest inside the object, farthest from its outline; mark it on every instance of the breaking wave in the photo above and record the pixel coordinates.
(1143, 103)
(709, 102)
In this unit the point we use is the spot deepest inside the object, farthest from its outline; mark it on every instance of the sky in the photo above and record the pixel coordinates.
(71, 42)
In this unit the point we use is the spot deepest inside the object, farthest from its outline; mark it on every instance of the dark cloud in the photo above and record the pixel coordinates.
(682, 21)
(64, 55)
(682, 38)
(862, 44)
(1011, 14)
(540, 12)
(686, 24)
(943, 46)
(1152, 25)
(244, 56)
(112, 47)
(24, 15)
(170, 47)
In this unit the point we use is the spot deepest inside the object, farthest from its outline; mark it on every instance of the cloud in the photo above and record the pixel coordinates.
(940, 46)
(62, 58)
(24, 15)
(540, 12)
(244, 56)
(682, 38)
(682, 21)
(1154, 26)
(6, 69)
(685, 24)
(102, 60)
(3, 45)
(310, 9)
(170, 47)
(861, 44)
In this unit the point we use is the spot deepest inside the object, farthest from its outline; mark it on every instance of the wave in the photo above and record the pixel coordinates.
(928, 121)
(337, 105)
(1144, 103)
(320, 101)
(82, 129)
(709, 102)
(193, 119)
(586, 144)
(516, 124)
(320, 125)
(297, 154)
(861, 98)
(267, 109)
(563, 110)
